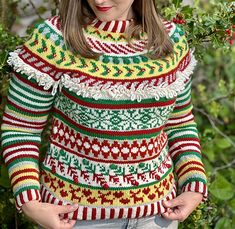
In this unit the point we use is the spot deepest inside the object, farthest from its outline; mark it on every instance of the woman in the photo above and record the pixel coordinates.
(116, 79)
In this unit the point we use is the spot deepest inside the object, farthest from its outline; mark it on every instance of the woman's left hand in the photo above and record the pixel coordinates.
(182, 206)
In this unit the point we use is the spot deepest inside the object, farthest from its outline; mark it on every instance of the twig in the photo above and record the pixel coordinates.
(228, 165)
(214, 126)
(35, 9)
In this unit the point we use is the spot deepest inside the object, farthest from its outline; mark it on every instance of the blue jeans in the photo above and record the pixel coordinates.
(151, 222)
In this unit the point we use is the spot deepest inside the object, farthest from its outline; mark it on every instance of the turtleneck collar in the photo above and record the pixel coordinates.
(112, 26)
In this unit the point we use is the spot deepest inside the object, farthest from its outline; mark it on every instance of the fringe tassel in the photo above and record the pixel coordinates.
(105, 91)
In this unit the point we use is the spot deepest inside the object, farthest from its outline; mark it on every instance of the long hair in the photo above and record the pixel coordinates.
(74, 15)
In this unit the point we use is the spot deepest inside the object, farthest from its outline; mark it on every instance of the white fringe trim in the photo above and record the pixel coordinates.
(105, 91)
(20, 66)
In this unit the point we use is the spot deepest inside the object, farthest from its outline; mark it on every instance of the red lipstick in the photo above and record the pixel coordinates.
(103, 9)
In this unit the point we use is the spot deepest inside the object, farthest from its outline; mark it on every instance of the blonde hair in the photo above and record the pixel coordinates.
(74, 15)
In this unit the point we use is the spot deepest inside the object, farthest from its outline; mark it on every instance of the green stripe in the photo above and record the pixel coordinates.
(10, 107)
(190, 180)
(179, 131)
(113, 189)
(114, 102)
(9, 143)
(183, 137)
(183, 101)
(27, 89)
(18, 161)
(105, 136)
(188, 153)
(177, 110)
(27, 105)
(27, 188)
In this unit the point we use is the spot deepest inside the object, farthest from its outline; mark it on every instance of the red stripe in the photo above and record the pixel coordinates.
(115, 27)
(20, 157)
(75, 214)
(106, 27)
(22, 201)
(129, 213)
(158, 208)
(123, 27)
(107, 132)
(94, 44)
(84, 213)
(26, 110)
(178, 140)
(197, 186)
(152, 209)
(137, 212)
(110, 47)
(17, 151)
(29, 194)
(112, 213)
(145, 210)
(28, 82)
(192, 169)
(25, 121)
(38, 58)
(21, 144)
(21, 125)
(24, 171)
(186, 164)
(121, 212)
(181, 107)
(97, 24)
(93, 214)
(24, 178)
(117, 106)
(181, 117)
(102, 213)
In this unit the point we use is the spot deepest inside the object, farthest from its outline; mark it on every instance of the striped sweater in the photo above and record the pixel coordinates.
(123, 135)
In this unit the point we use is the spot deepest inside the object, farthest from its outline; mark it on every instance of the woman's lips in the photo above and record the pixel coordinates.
(103, 9)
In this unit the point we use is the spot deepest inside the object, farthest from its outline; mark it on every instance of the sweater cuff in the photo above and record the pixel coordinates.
(26, 196)
(196, 186)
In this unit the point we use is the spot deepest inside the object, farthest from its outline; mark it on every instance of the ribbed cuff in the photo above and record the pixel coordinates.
(196, 186)
(25, 197)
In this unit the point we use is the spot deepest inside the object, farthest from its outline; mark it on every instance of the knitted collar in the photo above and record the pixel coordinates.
(112, 26)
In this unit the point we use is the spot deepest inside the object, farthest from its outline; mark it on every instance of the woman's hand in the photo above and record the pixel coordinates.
(48, 215)
(182, 206)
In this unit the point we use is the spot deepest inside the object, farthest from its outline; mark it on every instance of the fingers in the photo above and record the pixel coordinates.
(178, 201)
(176, 214)
(61, 209)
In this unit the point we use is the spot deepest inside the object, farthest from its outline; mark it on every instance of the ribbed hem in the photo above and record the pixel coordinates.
(25, 197)
(196, 186)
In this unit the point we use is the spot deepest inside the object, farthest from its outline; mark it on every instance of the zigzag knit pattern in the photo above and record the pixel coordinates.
(122, 124)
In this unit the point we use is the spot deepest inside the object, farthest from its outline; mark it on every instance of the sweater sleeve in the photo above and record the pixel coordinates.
(30, 98)
(183, 140)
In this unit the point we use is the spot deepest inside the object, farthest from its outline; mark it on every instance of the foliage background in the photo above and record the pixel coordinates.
(210, 29)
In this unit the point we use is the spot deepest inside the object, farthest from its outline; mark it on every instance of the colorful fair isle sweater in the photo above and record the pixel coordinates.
(123, 135)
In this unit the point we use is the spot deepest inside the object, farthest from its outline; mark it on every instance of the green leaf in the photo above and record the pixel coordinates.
(221, 188)
(223, 143)
(177, 3)
(4, 178)
(223, 223)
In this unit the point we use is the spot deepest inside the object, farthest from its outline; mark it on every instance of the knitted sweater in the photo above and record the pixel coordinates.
(123, 135)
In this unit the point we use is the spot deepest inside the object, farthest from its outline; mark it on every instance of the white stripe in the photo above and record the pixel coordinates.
(185, 149)
(41, 98)
(180, 120)
(5, 141)
(31, 147)
(17, 154)
(180, 143)
(38, 123)
(183, 133)
(30, 102)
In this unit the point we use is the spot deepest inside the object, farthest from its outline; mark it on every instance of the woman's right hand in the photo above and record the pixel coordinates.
(48, 215)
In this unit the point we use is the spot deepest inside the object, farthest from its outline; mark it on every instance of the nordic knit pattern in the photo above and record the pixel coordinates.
(121, 124)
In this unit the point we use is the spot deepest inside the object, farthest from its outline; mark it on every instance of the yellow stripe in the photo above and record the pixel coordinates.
(91, 197)
(99, 64)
